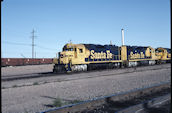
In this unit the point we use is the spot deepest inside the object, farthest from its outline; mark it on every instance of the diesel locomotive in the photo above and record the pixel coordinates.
(83, 57)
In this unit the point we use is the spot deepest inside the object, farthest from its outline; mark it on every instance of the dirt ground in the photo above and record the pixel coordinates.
(36, 98)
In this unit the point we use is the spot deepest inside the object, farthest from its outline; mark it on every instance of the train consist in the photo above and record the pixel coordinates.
(83, 57)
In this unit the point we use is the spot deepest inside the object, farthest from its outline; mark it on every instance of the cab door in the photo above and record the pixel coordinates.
(75, 52)
(80, 55)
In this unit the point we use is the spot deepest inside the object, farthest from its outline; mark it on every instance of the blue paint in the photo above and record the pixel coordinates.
(136, 49)
(102, 48)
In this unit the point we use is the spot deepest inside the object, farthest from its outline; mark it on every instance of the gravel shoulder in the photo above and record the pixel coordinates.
(29, 69)
(74, 76)
(35, 98)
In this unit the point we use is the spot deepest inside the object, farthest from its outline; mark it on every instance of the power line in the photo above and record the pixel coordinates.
(14, 43)
(22, 55)
(45, 48)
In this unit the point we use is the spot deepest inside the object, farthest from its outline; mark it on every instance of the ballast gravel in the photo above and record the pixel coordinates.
(37, 98)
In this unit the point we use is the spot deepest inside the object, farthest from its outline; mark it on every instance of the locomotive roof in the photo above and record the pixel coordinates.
(138, 46)
(69, 45)
(98, 45)
(168, 49)
(109, 46)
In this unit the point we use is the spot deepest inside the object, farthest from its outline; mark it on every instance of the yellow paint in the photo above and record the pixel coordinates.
(79, 53)
(169, 55)
(136, 55)
(76, 54)
(162, 54)
(101, 55)
(147, 52)
(55, 60)
(106, 61)
(139, 60)
(123, 53)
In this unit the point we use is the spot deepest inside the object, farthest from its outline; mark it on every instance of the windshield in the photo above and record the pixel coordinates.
(68, 49)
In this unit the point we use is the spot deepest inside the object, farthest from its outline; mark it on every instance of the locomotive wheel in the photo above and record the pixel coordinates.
(59, 68)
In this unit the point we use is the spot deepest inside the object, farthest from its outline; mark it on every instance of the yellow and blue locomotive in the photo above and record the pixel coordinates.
(83, 57)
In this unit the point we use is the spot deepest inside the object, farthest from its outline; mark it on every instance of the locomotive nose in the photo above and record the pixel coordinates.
(61, 55)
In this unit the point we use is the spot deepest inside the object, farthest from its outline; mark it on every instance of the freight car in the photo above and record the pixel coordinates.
(25, 61)
(83, 57)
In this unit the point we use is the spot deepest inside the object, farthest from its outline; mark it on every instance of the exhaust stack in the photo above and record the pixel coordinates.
(122, 32)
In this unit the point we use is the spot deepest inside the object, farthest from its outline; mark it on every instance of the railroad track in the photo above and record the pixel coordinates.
(25, 76)
(49, 74)
(143, 100)
(156, 105)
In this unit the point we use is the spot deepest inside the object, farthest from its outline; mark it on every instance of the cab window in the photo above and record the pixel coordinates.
(68, 49)
(80, 50)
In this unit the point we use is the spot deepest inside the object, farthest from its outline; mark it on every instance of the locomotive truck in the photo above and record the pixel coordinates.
(83, 57)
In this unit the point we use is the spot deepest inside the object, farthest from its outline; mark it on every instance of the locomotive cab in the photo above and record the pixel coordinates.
(67, 54)
(71, 55)
(163, 54)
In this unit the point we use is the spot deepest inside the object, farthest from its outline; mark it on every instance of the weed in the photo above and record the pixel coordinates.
(45, 82)
(14, 86)
(74, 101)
(57, 102)
(25, 111)
(35, 83)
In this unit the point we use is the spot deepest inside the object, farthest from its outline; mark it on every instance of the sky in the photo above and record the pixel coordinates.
(56, 22)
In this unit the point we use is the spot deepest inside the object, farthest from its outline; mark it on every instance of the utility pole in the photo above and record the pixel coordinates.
(33, 37)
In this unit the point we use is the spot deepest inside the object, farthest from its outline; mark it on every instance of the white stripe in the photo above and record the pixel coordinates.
(160, 102)
(139, 110)
(152, 105)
